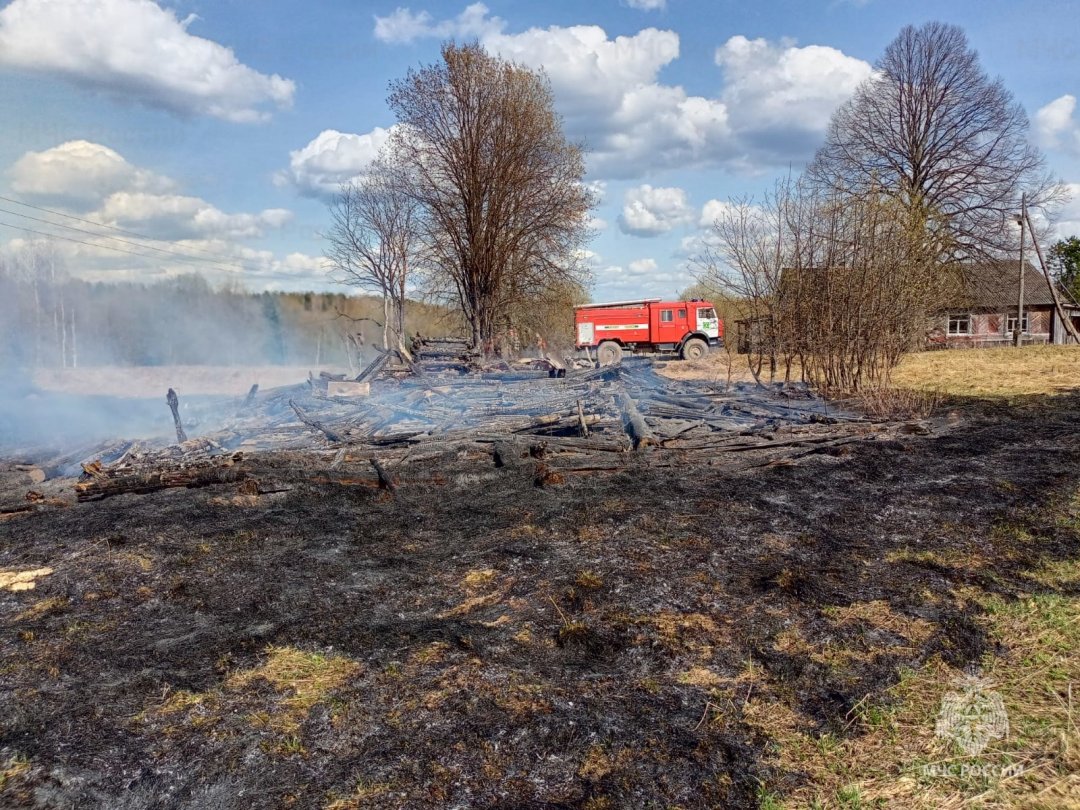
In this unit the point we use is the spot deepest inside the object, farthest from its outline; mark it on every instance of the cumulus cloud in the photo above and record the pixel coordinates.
(1067, 221)
(404, 25)
(649, 211)
(79, 174)
(1057, 126)
(332, 158)
(174, 217)
(642, 267)
(780, 96)
(137, 50)
(103, 187)
(255, 269)
(638, 279)
(713, 210)
(607, 90)
(776, 96)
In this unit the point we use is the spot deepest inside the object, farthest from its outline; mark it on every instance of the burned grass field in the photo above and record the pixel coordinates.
(675, 627)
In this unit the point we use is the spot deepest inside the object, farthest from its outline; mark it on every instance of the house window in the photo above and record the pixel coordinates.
(960, 324)
(666, 315)
(1010, 324)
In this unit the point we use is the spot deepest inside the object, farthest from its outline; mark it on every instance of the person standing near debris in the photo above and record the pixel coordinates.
(541, 346)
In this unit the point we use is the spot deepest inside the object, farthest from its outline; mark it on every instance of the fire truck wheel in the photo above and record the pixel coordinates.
(608, 353)
(695, 349)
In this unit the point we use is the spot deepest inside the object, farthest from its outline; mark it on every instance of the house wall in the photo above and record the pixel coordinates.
(988, 329)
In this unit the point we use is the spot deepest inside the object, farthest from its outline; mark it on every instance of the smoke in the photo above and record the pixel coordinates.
(85, 362)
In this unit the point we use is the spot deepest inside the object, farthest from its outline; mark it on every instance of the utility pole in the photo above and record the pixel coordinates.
(1018, 330)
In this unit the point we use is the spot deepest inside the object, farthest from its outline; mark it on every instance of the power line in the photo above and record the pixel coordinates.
(183, 256)
(98, 224)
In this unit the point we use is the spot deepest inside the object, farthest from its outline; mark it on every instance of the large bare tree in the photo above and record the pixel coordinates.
(373, 240)
(837, 285)
(500, 187)
(932, 130)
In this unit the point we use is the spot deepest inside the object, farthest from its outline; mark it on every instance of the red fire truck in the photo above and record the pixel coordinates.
(686, 328)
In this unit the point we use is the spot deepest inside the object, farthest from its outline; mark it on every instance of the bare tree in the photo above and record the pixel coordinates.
(373, 241)
(504, 207)
(839, 285)
(933, 131)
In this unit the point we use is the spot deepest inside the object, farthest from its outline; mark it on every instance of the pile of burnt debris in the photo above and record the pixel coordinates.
(555, 421)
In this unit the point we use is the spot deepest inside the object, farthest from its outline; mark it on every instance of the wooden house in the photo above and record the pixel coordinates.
(985, 310)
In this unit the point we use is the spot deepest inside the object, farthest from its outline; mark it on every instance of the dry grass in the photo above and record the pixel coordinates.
(22, 580)
(924, 377)
(992, 372)
(361, 797)
(702, 678)
(896, 759)
(897, 403)
(42, 608)
(301, 679)
(307, 677)
(12, 769)
(718, 366)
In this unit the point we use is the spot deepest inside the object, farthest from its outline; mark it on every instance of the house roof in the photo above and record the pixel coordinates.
(994, 283)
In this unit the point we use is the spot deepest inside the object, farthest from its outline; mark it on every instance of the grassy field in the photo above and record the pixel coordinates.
(992, 372)
(895, 753)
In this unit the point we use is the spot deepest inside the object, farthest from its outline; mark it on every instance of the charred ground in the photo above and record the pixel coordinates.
(483, 637)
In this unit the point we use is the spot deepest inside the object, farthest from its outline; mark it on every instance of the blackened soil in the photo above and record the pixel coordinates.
(584, 644)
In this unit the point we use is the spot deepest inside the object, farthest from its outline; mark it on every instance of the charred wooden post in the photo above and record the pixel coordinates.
(373, 368)
(174, 406)
(249, 400)
(314, 424)
(386, 481)
(583, 425)
(634, 423)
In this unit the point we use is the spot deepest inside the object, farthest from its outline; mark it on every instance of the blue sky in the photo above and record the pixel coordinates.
(219, 129)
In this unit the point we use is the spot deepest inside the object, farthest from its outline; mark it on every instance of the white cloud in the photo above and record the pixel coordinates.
(639, 279)
(715, 209)
(776, 92)
(608, 92)
(175, 217)
(138, 51)
(332, 158)
(1067, 221)
(647, 5)
(403, 25)
(1057, 125)
(642, 267)
(176, 233)
(649, 211)
(78, 174)
(776, 99)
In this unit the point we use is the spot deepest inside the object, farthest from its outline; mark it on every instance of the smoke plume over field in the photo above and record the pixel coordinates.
(77, 358)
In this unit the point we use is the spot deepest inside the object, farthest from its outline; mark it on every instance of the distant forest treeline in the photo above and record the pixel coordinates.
(48, 319)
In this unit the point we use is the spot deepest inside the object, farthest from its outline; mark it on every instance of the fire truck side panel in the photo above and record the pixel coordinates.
(624, 324)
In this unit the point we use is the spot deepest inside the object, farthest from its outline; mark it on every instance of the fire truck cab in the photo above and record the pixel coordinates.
(652, 325)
